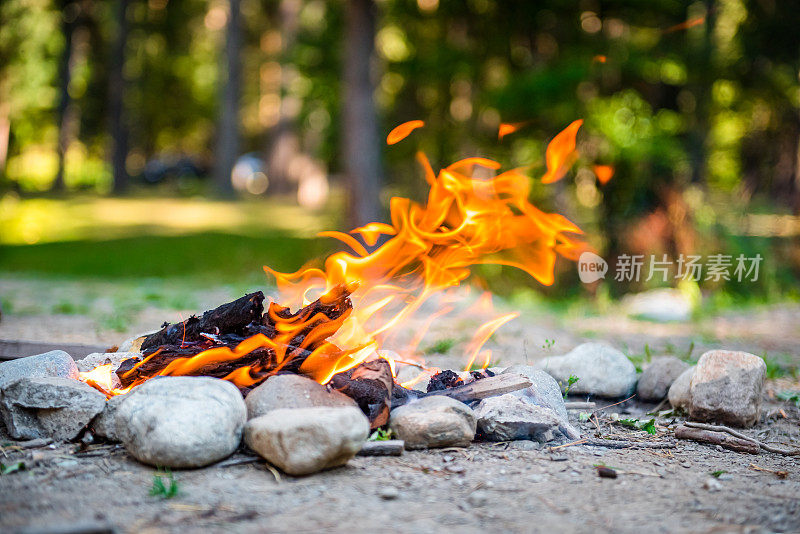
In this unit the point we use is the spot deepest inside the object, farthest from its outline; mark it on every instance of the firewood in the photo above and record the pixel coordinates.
(229, 318)
(391, 447)
(370, 385)
(485, 387)
(717, 438)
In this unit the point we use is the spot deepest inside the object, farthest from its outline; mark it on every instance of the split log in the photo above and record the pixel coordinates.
(485, 387)
(717, 438)
(370, 385)
(230, 318)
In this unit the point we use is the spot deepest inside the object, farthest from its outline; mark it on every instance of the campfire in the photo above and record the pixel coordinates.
(360, 300)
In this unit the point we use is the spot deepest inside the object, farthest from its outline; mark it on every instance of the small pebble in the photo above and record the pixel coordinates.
(478, 498)
(389, 493)
(712, 484)
(687, 465)
(536, 478)
(454, 468)
(606, 472)
(725, 476)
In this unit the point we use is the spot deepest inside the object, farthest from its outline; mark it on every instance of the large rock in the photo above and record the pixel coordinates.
(661, 305)
(679, 394)
(727, 387)
(292, 391)
(52, 407)
(181, 421)
(658, 376)
(105, 424)
(97, 359)
(544, 392)
(507, 418)
(601, 370)
(301, 441)
(435, 421)
(55, 363)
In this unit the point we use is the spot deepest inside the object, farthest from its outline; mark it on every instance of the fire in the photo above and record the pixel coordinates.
(426, 252)
(102, 378)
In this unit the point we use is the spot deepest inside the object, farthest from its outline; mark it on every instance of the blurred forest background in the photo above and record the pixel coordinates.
(208, 137)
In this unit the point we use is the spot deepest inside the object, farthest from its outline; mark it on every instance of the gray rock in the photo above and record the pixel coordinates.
(435, 421)
(478, 498)
(727, 387)
(292, 391)
(658, 376)
(544, 392)
(302, 441)
(601, 370)
(680, 395)
(54, 363)
(507, 418)
(96, 359)
(105, 424)
(134, 344)
(181, 421)
(662, 305)
(57, 408)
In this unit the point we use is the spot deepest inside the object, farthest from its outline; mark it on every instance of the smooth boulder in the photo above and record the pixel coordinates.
(727, 387)
(181, 421)
(680, 395)
(435, 421)
(292, 391)
(601, 370)
(105, 424)
(658, 376)
(302, 441)
(55, 363)
(508, 417)
(49, 407)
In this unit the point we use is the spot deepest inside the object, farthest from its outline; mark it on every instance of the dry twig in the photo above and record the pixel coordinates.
(734, 433)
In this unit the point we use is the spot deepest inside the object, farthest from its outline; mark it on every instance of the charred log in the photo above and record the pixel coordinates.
(370, 385)
(230, 318)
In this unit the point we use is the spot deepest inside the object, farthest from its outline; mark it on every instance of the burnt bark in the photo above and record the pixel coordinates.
(230, 318)
(370, 385)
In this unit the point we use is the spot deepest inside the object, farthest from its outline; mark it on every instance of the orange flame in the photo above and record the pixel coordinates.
(600, 59)
(604, 173)
(402, 131)
(561, 153)
(427, 251)
(508, 128)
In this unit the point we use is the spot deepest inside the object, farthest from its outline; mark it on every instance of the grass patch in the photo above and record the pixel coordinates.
(441, 346)
(164, 485)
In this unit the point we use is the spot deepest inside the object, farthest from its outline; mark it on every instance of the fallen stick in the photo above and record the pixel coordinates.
(580, 405)
(734, 433)
(392, 447)
(622, 444)
(716, 438)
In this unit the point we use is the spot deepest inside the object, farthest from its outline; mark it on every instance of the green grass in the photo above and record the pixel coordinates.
(442, 346)
(162, 489)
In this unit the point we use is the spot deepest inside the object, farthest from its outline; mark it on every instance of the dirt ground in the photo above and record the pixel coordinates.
(494, 487)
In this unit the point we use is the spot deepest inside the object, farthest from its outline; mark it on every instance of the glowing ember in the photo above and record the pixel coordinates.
(403, 131)
(604, 173)
(426, 252)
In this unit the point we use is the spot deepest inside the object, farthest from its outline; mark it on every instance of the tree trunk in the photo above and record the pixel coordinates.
(284, 141)
(69, 21)
(228, 129)
(361, 142)
(116, 99)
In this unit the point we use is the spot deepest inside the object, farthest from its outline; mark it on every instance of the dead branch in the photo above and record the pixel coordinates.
(717, 438)
(734, 433)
